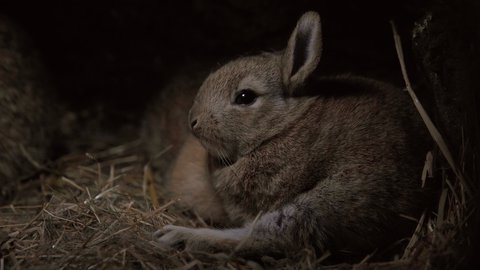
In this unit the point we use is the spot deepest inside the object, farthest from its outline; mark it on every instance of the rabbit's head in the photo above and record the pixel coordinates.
(249, 100)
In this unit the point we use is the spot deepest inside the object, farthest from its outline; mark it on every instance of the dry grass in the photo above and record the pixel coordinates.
(102, 210)
(445, 234)
(99, 210)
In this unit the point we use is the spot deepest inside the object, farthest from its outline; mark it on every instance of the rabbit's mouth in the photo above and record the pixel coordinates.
(217, 148)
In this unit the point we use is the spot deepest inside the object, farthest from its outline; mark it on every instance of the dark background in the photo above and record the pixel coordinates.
(119, 53)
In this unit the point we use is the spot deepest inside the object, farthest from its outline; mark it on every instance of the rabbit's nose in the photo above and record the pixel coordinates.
(193, 123)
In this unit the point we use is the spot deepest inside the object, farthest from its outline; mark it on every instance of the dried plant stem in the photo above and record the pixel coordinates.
(437, 137)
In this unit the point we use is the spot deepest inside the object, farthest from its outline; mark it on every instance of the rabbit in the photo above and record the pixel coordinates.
(177, 158)
(296, 160)
(26, 117)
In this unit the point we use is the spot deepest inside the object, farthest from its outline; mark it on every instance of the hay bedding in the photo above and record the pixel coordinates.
(97, 212)
(100, 212)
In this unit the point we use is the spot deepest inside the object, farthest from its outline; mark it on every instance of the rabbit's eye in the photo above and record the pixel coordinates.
(245, 97)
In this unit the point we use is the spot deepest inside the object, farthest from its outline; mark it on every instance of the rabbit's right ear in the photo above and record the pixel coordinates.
(303, 51)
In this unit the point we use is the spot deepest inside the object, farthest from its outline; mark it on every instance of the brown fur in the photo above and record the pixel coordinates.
(330, 163)
(188, 182)
(178, 159)
(26, 122)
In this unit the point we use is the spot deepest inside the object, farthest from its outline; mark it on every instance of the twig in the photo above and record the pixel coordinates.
(437, 137)
(411, 244)
(149, 186)
(44, 168)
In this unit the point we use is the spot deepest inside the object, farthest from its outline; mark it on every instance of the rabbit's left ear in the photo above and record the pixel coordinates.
(303, 51)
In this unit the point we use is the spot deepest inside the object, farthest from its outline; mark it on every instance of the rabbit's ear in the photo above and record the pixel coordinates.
(303, 51)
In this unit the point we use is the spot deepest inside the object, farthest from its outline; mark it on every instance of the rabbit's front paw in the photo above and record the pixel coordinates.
(174, 236)
(198, 240)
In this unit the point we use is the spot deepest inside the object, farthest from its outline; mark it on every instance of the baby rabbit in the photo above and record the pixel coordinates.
(298, 161)
(26, 119)
(177, 158)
